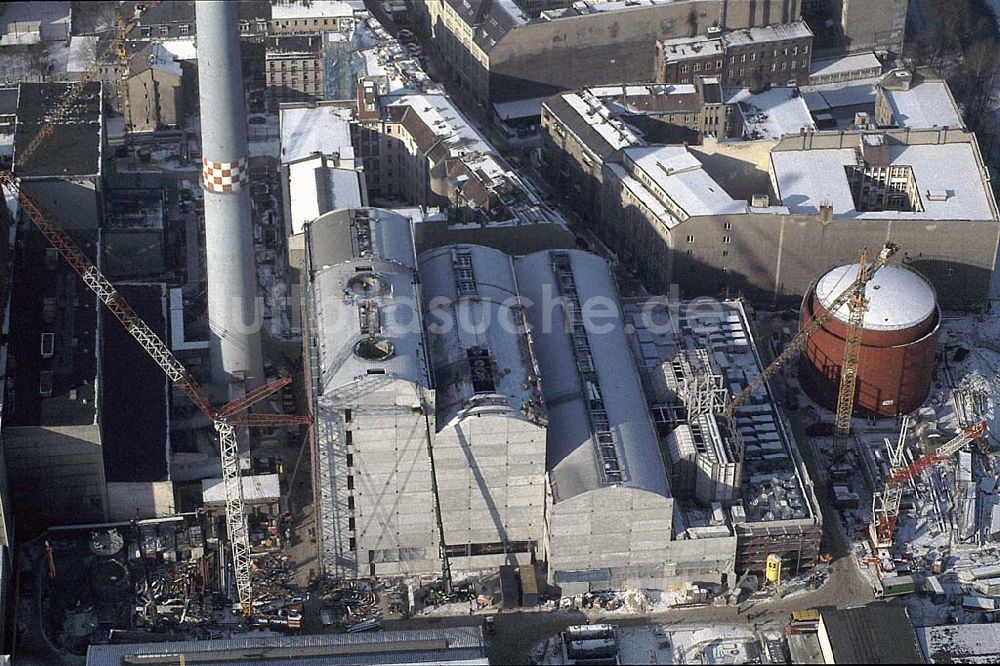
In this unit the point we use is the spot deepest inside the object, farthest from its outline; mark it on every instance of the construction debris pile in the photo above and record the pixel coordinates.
(351, 605)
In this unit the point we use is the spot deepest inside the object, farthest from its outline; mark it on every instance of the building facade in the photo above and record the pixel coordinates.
(669, 211)
(501, 51)
(776, 55)
(293, 69)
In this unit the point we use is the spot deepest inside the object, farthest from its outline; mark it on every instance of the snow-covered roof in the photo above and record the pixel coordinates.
(808, 179)
(767, 33)
(835, 95)
(960, 643)
(167, 56)
(679, 175)
(31, 22)
(691, 48)
(317, 186)
(897, 297)
(449, 126)
(322, 129)
(521, 108)
(363, 298)
(297, 9)
(473, 288)
(256, 488)
(650, 89)
(81, 53)
(572, 449)
(770, 113)
(616, 133)
(844, 65)
(926, 104)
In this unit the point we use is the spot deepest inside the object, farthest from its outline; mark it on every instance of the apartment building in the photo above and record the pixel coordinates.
(776, 55)
(498, 51)
(755, 217)
(293, 69)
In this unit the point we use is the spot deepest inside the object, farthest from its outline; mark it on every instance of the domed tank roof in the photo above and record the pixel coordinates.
(898, 298)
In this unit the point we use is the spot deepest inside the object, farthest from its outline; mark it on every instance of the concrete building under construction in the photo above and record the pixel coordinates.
(485, 419)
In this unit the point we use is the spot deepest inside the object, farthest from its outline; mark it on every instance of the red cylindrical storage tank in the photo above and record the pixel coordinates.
(898, 343)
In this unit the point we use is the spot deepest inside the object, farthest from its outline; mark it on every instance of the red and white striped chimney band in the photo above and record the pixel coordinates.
(224, 176)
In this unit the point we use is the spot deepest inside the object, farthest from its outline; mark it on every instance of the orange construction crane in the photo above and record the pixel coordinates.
(226, 418)
(885, 505)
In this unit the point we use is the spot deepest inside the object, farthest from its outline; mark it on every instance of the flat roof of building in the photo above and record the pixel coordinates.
(323, 129)
(960, 643)
(691, 48)
(808, 179)
(681, 177)
(827, 96)
(317, 186)
(315, 9)
(925, 104)
(134, 392)
(72, 368)
(573, 442)
(74, 147)
(462, 645)
(843, 65)
(771, 113)
(773, 489)
(767, 33)
(256, 488)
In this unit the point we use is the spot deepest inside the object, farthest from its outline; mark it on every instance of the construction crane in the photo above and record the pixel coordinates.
(225, 419)
(857, 306)
(798, 342)
(885, 505)
(116, 46)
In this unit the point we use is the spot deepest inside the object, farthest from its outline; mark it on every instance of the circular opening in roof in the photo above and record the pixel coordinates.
(366, 284)
(374, 348)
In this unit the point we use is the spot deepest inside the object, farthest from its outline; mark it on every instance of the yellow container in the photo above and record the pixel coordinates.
(773, 572)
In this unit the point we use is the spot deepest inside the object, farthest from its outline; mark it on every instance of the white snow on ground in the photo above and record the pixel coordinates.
(723, 644)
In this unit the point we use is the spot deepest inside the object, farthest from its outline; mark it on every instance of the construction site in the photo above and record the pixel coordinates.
(217, 432)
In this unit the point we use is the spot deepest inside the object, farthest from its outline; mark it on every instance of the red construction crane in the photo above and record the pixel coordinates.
(225, 419)
(885, 505)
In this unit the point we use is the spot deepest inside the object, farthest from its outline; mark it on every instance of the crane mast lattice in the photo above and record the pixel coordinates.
(225, 419)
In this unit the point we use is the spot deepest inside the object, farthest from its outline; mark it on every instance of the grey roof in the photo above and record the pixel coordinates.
(8, 101)
(74, 147)
(960, 643)
(926, 104)
(876, 634)
(458, 644)
(487, 316)
(571, 456)
(492, 19)
(807, 179)
(362, 289)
